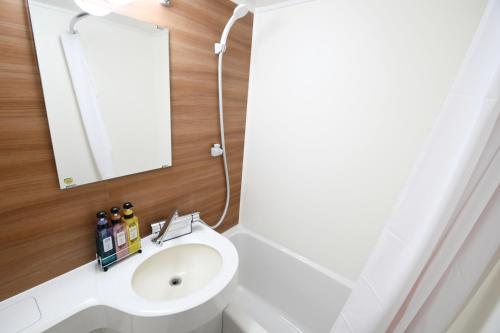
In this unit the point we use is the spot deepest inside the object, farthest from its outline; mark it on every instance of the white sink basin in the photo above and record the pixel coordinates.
(176, 272)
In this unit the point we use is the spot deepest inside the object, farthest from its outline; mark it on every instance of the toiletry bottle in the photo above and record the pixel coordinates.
(132, 223)
(119, 233)
(104, 240)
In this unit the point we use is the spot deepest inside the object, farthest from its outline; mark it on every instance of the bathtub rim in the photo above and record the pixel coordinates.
(240, 229)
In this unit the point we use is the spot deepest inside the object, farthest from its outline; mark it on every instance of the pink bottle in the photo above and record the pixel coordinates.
(119, 233)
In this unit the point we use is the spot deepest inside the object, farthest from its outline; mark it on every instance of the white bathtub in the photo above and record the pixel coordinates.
(279, 291)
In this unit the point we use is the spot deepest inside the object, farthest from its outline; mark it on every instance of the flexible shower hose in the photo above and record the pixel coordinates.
(223, 145)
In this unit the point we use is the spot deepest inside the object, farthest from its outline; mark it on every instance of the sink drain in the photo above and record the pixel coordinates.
(175, 281)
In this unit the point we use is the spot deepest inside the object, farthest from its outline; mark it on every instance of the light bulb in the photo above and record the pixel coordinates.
(97, 8)
(101, 7)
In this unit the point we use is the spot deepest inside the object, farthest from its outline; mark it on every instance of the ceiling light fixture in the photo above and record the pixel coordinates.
(101, 7)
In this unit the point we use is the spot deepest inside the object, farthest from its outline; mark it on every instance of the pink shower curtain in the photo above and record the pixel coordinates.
(444, 235)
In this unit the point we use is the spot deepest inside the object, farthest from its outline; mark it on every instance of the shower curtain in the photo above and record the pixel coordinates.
(444, 235)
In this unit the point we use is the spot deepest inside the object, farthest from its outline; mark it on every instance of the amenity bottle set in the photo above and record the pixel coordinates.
(118, 238)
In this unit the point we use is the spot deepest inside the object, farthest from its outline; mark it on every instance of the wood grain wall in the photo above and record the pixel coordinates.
(45, 232)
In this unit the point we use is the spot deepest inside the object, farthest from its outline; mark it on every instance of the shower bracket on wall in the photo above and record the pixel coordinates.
(216, 150)
(219, 48)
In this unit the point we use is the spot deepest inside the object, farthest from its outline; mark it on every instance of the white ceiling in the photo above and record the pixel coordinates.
(259, 3)
(262, 3)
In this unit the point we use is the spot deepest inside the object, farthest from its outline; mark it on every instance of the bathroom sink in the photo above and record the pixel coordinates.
(176, 272)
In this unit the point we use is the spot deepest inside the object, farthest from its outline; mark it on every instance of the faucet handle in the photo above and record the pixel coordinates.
(174, 215)
(164, 228)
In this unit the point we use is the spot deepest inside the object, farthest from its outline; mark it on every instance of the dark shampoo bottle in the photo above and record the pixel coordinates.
(104, 240)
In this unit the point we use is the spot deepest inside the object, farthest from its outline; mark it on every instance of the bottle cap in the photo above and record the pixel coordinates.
(128, 205)
(115, 210)
(101, 214)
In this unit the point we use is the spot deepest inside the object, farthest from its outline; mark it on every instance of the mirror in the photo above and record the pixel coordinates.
(106, 90)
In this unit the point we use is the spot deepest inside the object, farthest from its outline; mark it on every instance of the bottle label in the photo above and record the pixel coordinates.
(107, 244)
(132, 233)
(120, 238)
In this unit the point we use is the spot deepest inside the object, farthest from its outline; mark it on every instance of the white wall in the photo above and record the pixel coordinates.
(342, 95)
(129, 61)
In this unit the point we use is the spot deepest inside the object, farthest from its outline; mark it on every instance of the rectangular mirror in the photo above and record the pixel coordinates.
(106, 86)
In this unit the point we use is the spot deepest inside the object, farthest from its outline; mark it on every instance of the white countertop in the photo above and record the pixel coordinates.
(88, 286)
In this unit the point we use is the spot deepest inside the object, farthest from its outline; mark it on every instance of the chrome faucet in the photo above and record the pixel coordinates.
(163, 231)
(176, 227)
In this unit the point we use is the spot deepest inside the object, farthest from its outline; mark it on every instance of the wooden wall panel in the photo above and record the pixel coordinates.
(46, 232)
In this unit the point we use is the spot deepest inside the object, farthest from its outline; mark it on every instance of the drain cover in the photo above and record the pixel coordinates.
(175, 281)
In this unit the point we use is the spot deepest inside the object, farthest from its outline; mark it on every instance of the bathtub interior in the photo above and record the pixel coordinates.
(273, 279)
